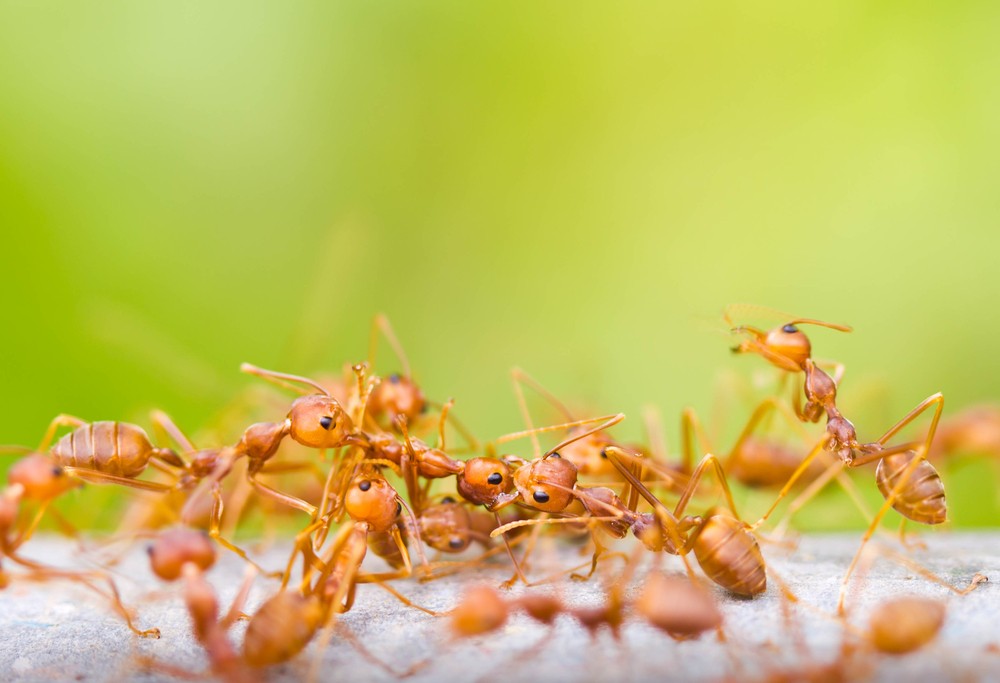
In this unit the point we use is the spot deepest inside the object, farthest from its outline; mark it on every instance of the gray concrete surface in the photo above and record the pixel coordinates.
(56, 631)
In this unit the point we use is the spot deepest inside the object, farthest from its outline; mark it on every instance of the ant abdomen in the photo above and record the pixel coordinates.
(116, 448)
(281, 628)
(730, 556)
(922, 498)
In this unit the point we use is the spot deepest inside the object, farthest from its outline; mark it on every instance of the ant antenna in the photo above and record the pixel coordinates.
(282, 379)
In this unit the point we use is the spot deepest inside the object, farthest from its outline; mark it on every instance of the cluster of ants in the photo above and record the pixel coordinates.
(367, 478)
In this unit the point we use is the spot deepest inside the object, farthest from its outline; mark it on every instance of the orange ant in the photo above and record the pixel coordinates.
(907, 481)
(539, 484)
(107, 452)
(725, 548)
(674, 605)
(35, 478)
(188, 554)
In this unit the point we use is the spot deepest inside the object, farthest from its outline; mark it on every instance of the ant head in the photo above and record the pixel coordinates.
(785, 346)
(588, 454)
(175, 548)
(41, 478)
(397, 396)
(481, 610)
(485, 481)
(371, 499)
(445, 527)
(319, 421)
(547, 483)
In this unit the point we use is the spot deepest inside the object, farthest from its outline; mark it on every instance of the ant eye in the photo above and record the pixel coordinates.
(326, 422)
(540, 497)
(447, 499)
(365, 485)
(495, 478)
(455, 543)
(399, 508)
(57, 471)
(149, 550)
(790, 329)
(394, 378)
(554, 455)
(604, 453)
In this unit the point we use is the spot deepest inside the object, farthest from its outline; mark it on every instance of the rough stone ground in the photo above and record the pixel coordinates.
(57, 631)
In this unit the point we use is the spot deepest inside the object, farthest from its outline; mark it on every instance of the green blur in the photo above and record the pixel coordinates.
(574, 188)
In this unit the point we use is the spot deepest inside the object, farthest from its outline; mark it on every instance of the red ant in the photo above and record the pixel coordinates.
(909, 483)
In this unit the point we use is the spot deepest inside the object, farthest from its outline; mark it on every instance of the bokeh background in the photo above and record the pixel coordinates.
(578, 190)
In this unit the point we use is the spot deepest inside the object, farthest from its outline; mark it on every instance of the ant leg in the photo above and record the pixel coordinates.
(889, 500)
(95, 477)
(239, 497)
(799, 471)
(609, 420)
(510, 553)
(667, 521)
(236, 606)
(380, 323)
(690, 428)
(906, 542)
(213, 531)
(923, 571)
(699, 472)
(655, 435)
(528, 549)
(599, 552)
(290, 501)
(936, 400)
(520, 379)
(287, 466)
(61, 420)
(164, 423)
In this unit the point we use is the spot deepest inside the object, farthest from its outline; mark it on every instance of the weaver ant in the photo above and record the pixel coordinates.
(907, 481)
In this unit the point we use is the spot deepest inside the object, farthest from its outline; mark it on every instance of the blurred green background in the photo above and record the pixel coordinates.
(575, 189)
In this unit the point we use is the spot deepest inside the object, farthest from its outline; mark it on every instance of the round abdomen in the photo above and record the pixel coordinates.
(730, 556)
(116, 448)
(922, 498)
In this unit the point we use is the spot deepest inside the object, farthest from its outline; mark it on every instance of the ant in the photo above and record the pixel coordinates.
(907, 481)
(495, 482)
(35, 478)
(724, 546)
(184, 553)
(447, 526)
(107, 452)
(587, 452)
(674, 605)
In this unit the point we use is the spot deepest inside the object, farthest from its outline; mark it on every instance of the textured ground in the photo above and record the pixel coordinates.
(55, 631)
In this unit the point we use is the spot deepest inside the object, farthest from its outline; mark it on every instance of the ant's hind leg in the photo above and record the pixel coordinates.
(213, 531)
(61, 420)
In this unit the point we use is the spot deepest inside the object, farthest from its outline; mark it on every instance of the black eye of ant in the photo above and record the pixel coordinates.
(790, 329)
(456, 543)
(399, 508)
(149, 550)
(540, 497)
(447, 499)
(394, 378)
(57, 471)
(554, 455)
(326, 422)
(365, 485)
(604, 453)
(495, 478)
